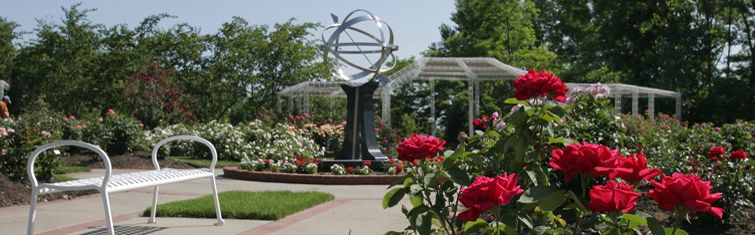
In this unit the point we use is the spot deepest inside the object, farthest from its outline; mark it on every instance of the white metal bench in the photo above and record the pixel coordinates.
(121, 182)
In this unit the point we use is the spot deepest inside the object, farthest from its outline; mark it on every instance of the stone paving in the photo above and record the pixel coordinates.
(356, 210)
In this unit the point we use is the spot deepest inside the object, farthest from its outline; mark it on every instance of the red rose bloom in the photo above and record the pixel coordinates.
(598, 160)
(349, 169)
(637, 167)
(534, 84)
(399, 168)
(486, 192)
(685, 190)
(738, 155)
(367, 163)
(716, 152)
(478, 124)
(419, 147)
(614, 196)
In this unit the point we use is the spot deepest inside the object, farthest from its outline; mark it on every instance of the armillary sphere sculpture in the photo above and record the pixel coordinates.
(359, 65)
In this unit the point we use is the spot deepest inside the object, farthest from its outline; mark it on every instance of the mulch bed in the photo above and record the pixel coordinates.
(320, 178)
(702, 223)
(19, 192)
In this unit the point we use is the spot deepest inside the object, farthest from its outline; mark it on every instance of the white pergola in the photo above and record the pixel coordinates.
(473, 70)
(620, 90)
(469, 69)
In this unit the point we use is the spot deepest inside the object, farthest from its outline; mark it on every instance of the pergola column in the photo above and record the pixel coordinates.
(432, 107)
(386, 112)
(617, 103)
(635, 100)
(651, 105)
(470, 110)
(679, 106)
(477, 98)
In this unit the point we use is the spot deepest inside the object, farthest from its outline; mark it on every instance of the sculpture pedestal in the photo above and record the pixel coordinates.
(360, 142)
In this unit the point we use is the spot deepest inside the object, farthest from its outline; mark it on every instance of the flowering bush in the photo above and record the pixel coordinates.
(537, 144)
(253, 140)
(295, 165)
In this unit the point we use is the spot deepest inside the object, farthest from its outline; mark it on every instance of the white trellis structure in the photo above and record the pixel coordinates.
(620, 90)
(473, 70)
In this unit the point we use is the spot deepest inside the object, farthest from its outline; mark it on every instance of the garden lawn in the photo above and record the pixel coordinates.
(205, 163)
(267, 205)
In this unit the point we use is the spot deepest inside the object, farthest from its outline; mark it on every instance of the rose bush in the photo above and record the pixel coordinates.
(540, 142)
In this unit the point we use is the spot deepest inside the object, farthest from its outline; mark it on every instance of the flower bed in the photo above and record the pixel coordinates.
(327, 179)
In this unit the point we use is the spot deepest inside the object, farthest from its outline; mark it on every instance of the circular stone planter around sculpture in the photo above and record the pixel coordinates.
(266, 176)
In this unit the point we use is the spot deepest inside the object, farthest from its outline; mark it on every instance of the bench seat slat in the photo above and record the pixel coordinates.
(127, 181)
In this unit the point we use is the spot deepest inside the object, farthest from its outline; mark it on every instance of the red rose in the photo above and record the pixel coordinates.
(478, 124)
(716, 152)
(598, 160)
(685, 190)
(419, 147)
(637, 166)
(110, 112)
(486, 192)
(399, 168)
(349, 169)
(614, 196)
(534, 84)
(392, 160)
(738, 155)
(367, 163)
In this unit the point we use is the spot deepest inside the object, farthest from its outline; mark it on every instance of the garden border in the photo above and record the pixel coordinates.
(264, 176)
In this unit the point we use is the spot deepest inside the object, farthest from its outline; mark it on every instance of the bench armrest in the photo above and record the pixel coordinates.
(60, 143)
(185, 137)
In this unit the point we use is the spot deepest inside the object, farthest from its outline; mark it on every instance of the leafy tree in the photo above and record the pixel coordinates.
(7, 50)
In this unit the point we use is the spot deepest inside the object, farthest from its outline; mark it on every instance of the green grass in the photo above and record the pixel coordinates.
(205, 163)
(62, 178)
(267, 205)
(71, 169)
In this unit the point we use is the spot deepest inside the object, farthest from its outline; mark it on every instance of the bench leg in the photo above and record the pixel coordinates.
(154, 206)
(217, 202)
(32, 211)
(108, 213)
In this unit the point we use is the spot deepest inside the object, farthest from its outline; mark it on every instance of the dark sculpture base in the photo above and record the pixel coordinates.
(360, 139)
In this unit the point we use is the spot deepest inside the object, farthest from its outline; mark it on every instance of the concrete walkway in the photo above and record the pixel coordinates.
(356, 210)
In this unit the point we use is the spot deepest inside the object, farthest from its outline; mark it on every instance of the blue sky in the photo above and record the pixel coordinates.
(415, 23)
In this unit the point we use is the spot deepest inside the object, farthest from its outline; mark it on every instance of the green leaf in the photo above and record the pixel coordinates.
(679, 231)
(416, 200)
(428, 179)
(424, 223)
(393, 196)
(408, 181)
(459, 176)
(416, 211)
(634, 220)
(507, 229)
(558, 110)
(655, 227)
(576, 200)
(552, 201)
(533, 177)
(514, 101)
(475, 226)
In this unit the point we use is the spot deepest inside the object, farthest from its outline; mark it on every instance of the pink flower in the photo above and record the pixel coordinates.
(45, 133)
(78, 127)
(110, 112)
(637, 167)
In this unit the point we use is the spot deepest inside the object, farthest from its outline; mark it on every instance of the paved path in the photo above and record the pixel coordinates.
(356, 210)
